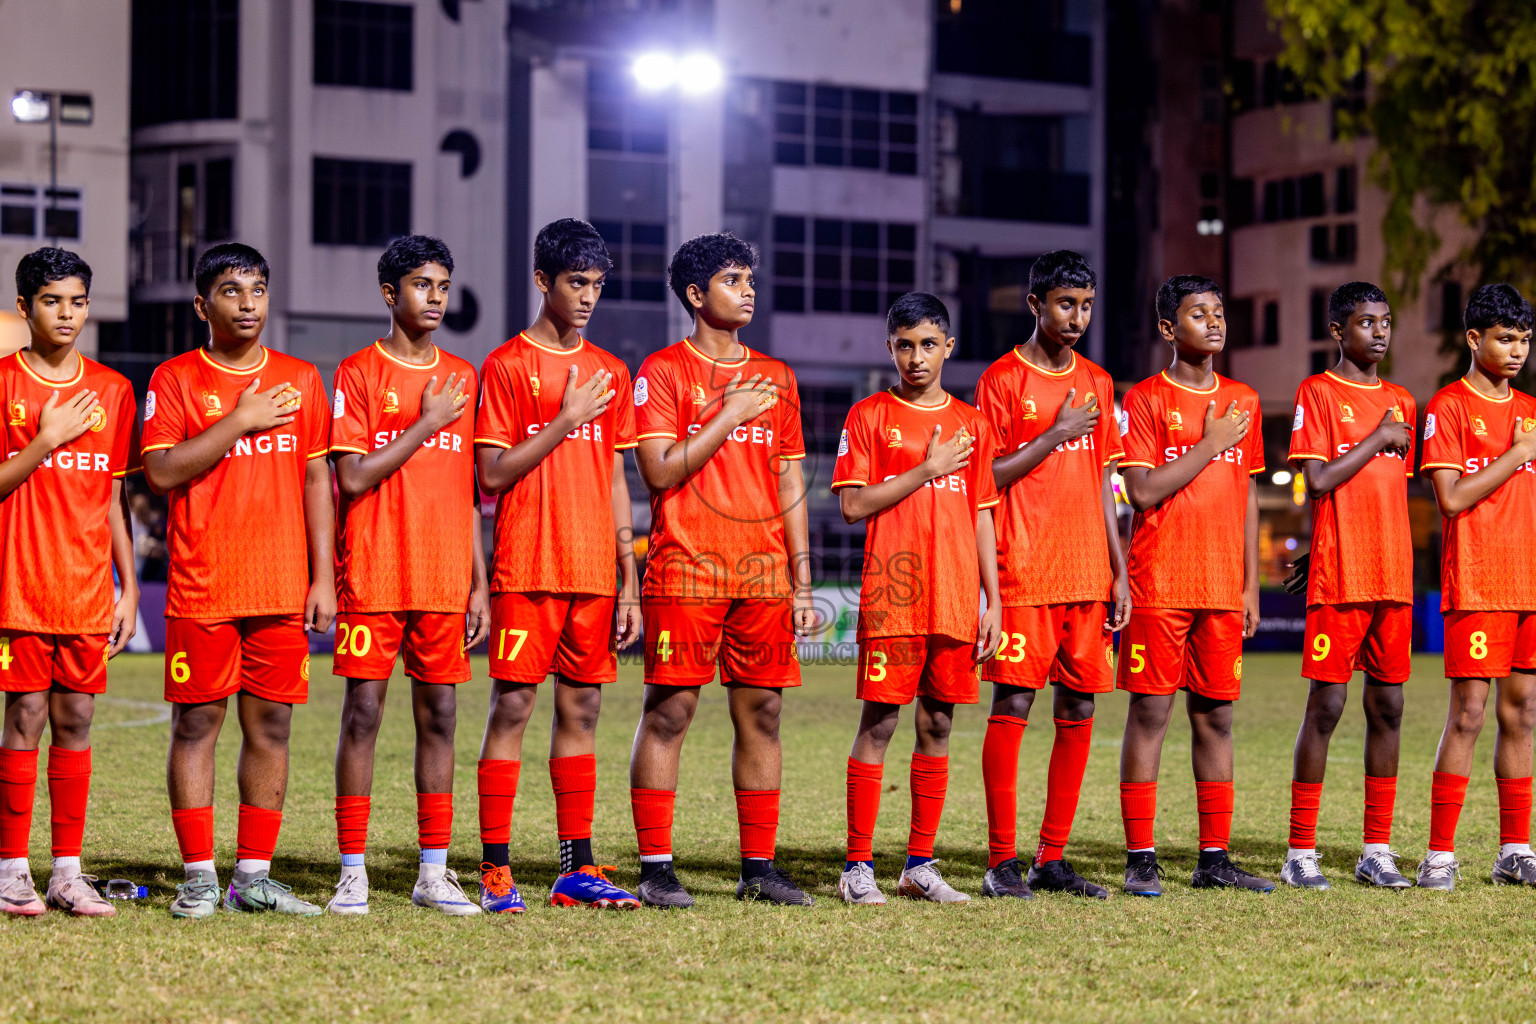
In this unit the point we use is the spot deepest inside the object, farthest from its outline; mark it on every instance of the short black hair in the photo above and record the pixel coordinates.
(1176, 288)
(701, 258)
(1061, 268)
(915, 308)
(570, 244)
(40, 266)
(1496, 305)
(1347, 298)
(408, 252)
(224, 257)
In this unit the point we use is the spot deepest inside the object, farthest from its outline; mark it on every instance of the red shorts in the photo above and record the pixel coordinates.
(1167, 649)
(1057, 643)
(570, 635)
(1376, 636)
(367, 644)
(752, 640)
(30, 662)
(899, 669)
(1489, 645)
(266, 656)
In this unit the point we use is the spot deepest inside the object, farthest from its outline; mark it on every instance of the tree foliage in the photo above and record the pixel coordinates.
(1451, 104)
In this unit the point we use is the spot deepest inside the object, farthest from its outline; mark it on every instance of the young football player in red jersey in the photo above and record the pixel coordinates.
(412, 574)
(69, 440)
(237, 434)
(1479, 442)
(915, 461)
(727, 577)
(1352, 441)
(1060, 567)
(550, 445)
(1192, 447)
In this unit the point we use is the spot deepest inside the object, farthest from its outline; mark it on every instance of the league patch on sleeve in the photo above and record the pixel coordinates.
(338, 405)
(1301, 418)
(842, 444)
(149, 405)
(1125, 422)
(642, 390)
(1429, 426)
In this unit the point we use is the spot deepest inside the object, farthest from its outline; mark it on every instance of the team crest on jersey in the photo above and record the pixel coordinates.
(893, 437)
(16, 412)
(697, 390)
(642, 391)
(98, 419)
(1299, 419)
(1397, 415)
(211, 404)
(1530, 424)
(1346, 414)
(1478, 426)
(533, 383)
(1175, 420)
(1029, 409)
(1109, 656)
(1237, 668)
(842, 444)
(1429, 426)
(391, 400)
(304, 669)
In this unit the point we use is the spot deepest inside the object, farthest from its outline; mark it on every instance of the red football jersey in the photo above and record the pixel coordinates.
(720, 532)
(406, 545)
(55, 543)
(1187, 552)
(236, 533)
(554, 528)
(921, 576)
(1489, 552)
(1362, 547)
(1052, 545)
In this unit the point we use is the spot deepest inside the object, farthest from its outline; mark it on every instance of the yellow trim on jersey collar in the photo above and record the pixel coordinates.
(1040, 369)
(1496, 401)
(554, 351)
(45, 382)
(1354, 384)
(265, 352)
(1185, 387)
(437, 357)
(721, 362)
(926, 408)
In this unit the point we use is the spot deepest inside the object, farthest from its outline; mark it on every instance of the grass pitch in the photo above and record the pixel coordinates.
(1348, 954)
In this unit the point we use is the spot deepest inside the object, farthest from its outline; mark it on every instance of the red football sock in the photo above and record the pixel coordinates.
(1214, 802)
(1380, 798)
(434, 820)
(352, 823)
(1306, 798)
(69, 787)
(757, 818)
(194, 833)
(1138, 809)
(574, 780)
(18, 788)
(930, 782)
(1514, 811)
(256, 832)
(863, 807)
(1446, 795)
(1064, 785)
(497, 786)
(652, 810)
(1000, 782)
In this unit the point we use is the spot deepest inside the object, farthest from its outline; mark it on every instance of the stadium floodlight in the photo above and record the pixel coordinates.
(699, 73)
(655, 71)
(30, 107)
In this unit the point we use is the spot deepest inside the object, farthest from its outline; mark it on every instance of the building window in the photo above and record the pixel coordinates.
(219, 199)
(639, 254)
(833, 127)
(841, 266)
(619, 120)
(25, 211)
(1239, 323)
(364, 44)
(1451, 319)
(1322, 360)
(1290, 198)
(1032, 40)
(360, 202)
(822, 412)
(1012, 167)
(1271, 333)
(185, 61)
(1317, 317)
(1333, 244)
(1344, 190)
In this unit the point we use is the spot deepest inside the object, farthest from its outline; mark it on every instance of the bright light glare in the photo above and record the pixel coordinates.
(699, 73)
(1282, 478)
(30, 107)
(1290, 543)
(655, 71)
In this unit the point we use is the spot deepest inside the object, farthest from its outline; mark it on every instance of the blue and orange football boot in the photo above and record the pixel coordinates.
(498, 893)
(589, 887)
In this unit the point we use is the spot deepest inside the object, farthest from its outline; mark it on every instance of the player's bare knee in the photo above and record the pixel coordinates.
(667, 722)
(1013, 701)
(361, 717)
(1465, 718)
(25, 716)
